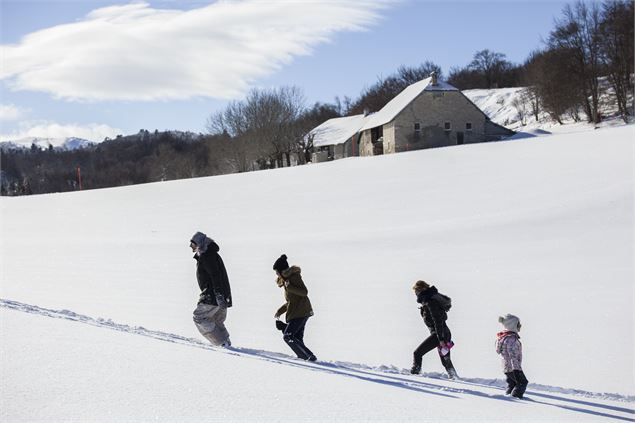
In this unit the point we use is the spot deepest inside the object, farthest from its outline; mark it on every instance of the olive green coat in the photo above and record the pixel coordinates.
(296, 294)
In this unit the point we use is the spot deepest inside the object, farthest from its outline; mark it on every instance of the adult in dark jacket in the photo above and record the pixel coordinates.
(297, 308)
(216, 297)
(433, 310)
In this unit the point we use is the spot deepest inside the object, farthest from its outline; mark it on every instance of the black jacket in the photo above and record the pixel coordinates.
(433, 313)
(212, 276)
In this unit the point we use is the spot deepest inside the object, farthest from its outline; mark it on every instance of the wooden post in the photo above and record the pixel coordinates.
(79, 178)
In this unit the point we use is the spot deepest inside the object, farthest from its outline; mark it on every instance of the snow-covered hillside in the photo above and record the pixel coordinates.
(511, 108)
(97, 289)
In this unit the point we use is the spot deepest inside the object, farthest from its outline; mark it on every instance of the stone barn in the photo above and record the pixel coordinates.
(429, 113)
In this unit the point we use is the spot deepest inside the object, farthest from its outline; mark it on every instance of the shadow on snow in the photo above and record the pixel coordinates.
(384, 376)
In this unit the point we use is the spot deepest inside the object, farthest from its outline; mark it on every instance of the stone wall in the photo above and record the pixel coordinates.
(366, 145)
(431, 110)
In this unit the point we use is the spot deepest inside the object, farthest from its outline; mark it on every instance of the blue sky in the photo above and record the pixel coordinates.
(101, 68)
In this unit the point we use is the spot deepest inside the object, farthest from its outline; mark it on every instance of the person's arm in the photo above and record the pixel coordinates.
(281, 310)
(209, 267)
(295, 286)
(507, 348)
(437, 320)
(515, 353)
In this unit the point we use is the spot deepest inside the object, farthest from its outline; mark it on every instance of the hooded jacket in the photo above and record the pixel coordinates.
(508, 345)
(212, 276)
(433, 313)
(296, 293)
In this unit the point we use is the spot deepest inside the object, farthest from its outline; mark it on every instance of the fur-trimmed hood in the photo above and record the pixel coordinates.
(290, 271)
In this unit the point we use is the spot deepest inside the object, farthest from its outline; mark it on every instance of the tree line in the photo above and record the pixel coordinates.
(590, 41)
(140, 158)
(271, 127)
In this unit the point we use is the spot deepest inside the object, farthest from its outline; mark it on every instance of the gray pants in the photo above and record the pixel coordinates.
(210, 322)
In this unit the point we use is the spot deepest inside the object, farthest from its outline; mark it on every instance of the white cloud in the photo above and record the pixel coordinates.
(136, 52)
(11, 112)
(46, 129)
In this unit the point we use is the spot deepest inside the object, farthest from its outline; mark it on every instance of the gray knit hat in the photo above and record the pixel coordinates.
(510, 322)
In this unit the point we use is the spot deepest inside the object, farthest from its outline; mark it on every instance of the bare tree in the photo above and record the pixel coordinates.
(491, 65)
(531, 76)
(264, 124)
(519, 103)
(409, 75)
(379, 94)
(578, 33)
(553, 82)
(617, 50)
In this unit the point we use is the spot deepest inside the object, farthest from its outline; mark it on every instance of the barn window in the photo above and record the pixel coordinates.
(447, 126)
(468, 126)
(417, 128)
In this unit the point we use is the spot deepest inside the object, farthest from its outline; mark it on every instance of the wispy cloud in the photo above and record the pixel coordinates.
(10, 112)
(136, 52)
(46, 129)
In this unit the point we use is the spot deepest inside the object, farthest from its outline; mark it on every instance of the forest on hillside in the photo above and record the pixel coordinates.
(271, 127)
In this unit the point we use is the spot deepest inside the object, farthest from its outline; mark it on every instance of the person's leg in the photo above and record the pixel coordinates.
(300, 332)
(426, 346)
(511, 382)
(521, 384)
(446, 361)
(220, 330)
(204, 320)
(294, 328)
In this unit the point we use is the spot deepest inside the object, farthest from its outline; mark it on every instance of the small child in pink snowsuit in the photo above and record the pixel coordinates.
(511, 350)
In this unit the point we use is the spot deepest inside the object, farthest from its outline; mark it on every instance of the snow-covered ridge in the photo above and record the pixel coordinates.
(68, 143)
(493, 387)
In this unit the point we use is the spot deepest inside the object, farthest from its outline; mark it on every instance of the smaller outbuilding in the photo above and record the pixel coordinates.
(337, 138)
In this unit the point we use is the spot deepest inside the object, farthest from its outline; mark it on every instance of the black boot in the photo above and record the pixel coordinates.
(511, 382)
(416, 369)
(521, 384)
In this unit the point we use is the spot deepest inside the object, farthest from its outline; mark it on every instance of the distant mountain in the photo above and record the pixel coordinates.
(69, 143)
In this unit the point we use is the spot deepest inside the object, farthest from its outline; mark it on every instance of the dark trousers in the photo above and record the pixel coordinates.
(516, 383)
(428, 344)
(293, 335)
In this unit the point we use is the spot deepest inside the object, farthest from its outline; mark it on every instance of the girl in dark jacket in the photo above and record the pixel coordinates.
(297, 307)
(433, 310)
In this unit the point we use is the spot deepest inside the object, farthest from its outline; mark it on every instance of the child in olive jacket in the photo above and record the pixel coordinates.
(297, 307)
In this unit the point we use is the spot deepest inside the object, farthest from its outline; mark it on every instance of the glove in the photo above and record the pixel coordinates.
(220, 300)
(444, 347)
(281, 326)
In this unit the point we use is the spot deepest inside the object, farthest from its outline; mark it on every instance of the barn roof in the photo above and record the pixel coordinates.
(337, 130)
(397, 104)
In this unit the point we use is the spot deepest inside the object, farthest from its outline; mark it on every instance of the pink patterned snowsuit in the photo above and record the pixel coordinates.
(509, 347)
